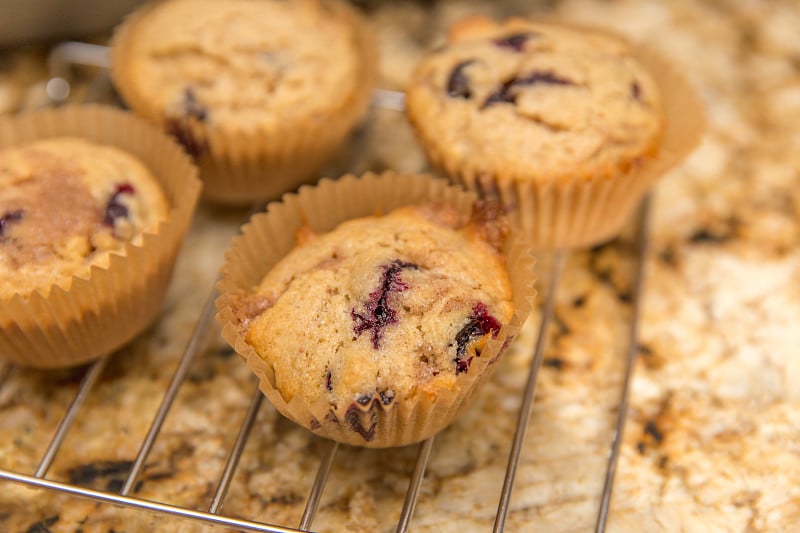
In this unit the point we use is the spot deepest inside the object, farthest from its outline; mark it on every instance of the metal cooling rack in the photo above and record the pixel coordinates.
(72, 53)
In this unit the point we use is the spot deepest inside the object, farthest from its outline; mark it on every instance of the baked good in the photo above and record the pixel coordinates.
(65, 204)
(551, 119)
(94, 204)
(261, 92)
(380, 309)
(374, 330)
(535, 101)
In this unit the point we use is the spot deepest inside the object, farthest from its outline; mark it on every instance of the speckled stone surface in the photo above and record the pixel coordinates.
(712, 440)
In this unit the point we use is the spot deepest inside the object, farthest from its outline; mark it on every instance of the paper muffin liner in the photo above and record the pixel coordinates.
(586, 210)
(242, 166)
(80, 319)
(269, 237)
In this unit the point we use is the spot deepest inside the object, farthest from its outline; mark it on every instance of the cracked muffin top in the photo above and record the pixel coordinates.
(241, 65)
(381, 309)
(65, 203)
(534, 101)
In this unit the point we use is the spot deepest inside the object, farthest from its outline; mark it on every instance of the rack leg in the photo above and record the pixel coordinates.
(530, 388)
(236, 453)
(318, 487)
(413, 486)
(87, 383)
(193, 346)
(642, 245)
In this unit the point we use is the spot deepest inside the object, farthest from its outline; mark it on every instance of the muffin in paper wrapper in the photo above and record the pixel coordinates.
(240, 166)
(80, 319)
(269, 237)
(586, 210)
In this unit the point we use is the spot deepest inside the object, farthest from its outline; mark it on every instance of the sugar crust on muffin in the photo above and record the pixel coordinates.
(243, 64)
(381, 309)
(65, 204)
(536, 102)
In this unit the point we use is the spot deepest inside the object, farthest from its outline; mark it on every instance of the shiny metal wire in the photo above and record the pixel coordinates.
(72, 53)
(642, 249)
(236, 453)
(194, 345)
(530, 388)
(87, 383)
(414, 485)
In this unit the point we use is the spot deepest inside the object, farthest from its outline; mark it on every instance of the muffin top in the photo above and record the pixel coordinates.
(381, 309)
(65, 203)
(242, 64)
(535, 102)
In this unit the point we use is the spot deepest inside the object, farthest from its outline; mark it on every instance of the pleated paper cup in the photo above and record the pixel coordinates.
(242, 166)
(78, 319)
(569, 212)
(270, 236)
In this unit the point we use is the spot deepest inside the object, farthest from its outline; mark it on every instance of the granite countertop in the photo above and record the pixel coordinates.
(713, 437)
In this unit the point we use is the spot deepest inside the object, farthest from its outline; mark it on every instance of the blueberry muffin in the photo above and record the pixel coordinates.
(65, 204)
(553, 120)
(94, 204)
(261, 92)
(374, 330)
(380, 309)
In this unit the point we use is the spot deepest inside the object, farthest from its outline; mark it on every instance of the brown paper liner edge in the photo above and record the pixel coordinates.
(399, 424)
(685, 121)
(242, 166)
(88, 317)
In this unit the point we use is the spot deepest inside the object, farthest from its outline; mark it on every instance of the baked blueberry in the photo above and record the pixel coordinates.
(114, 207)
(479, 324)
(507, 92)
(9, 218)
(192, 107)
(515, 42)
(182, 133)
(378, 311)
(458, 82)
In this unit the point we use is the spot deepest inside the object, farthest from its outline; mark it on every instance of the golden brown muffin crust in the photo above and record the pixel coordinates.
(64, 207)
(382, 308)
(244, 64)
(534, 101)
(64, 204)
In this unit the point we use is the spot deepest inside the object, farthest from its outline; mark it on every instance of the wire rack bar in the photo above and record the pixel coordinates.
(414, 484)
(236, 453)
(192, 347)
(319, 485)
(530, 388)
(87, 383)
(642, 247)
(63, 56)
(144, 505)
(387, 99)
